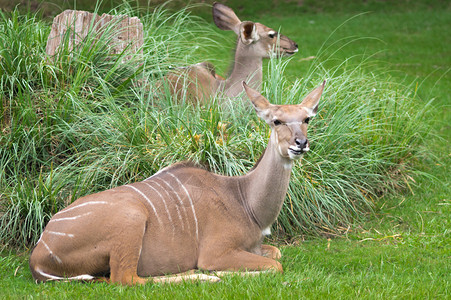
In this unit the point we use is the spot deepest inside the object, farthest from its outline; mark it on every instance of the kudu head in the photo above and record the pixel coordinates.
(260, 41)
(288, 122)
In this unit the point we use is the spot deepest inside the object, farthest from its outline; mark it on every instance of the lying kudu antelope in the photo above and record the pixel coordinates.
(181, 218)
(255, 42)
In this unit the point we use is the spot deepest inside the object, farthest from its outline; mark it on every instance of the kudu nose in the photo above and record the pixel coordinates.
(296, 45)
(301, 143)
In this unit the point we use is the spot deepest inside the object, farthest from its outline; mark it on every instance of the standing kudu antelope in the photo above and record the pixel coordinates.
(181, 218)
(255, 42)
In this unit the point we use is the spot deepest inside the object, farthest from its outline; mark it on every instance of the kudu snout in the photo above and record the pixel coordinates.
(302, 144)
(287, 45)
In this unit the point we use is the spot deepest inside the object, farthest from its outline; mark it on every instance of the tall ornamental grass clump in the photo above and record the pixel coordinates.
(57, 139)
(82, 127)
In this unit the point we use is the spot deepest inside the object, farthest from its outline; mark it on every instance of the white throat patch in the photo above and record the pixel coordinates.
(266, 231)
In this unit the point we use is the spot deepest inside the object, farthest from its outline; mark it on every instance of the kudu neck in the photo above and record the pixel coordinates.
(265, 187)
(246, 67)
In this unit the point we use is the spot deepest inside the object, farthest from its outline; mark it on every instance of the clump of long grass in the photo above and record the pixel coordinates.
(72, 117)
(81, 128)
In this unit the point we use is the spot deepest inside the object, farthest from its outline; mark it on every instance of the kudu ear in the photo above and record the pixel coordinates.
(225, 18)
(248, 32)
(311, 100)
(261, 105)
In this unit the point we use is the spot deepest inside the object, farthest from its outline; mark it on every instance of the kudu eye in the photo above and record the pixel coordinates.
(307, 120)
(277, 122)
(272, 34)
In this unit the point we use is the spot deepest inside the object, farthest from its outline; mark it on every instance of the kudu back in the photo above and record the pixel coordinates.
(255, 41)
(183, 217)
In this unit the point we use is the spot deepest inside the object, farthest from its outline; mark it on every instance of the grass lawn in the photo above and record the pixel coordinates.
(403, 249)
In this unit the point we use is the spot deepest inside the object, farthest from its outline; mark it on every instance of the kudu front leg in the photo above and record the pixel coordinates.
(271, 252)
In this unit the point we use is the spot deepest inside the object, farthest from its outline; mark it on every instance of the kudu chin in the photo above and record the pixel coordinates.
(255, 41)
(182, 218)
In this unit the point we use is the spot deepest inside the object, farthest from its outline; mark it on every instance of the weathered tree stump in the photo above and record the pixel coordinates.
(126, 33)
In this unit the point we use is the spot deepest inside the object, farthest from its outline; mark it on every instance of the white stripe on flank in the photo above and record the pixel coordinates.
(81, 205)
(178, 197)
(60, 233)
(51, 252)
(164, 202)
(53, 277)
(158, 172)
(147, 199)
(169, 197)
(40, 238)
(70, 218)
(190, 201)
